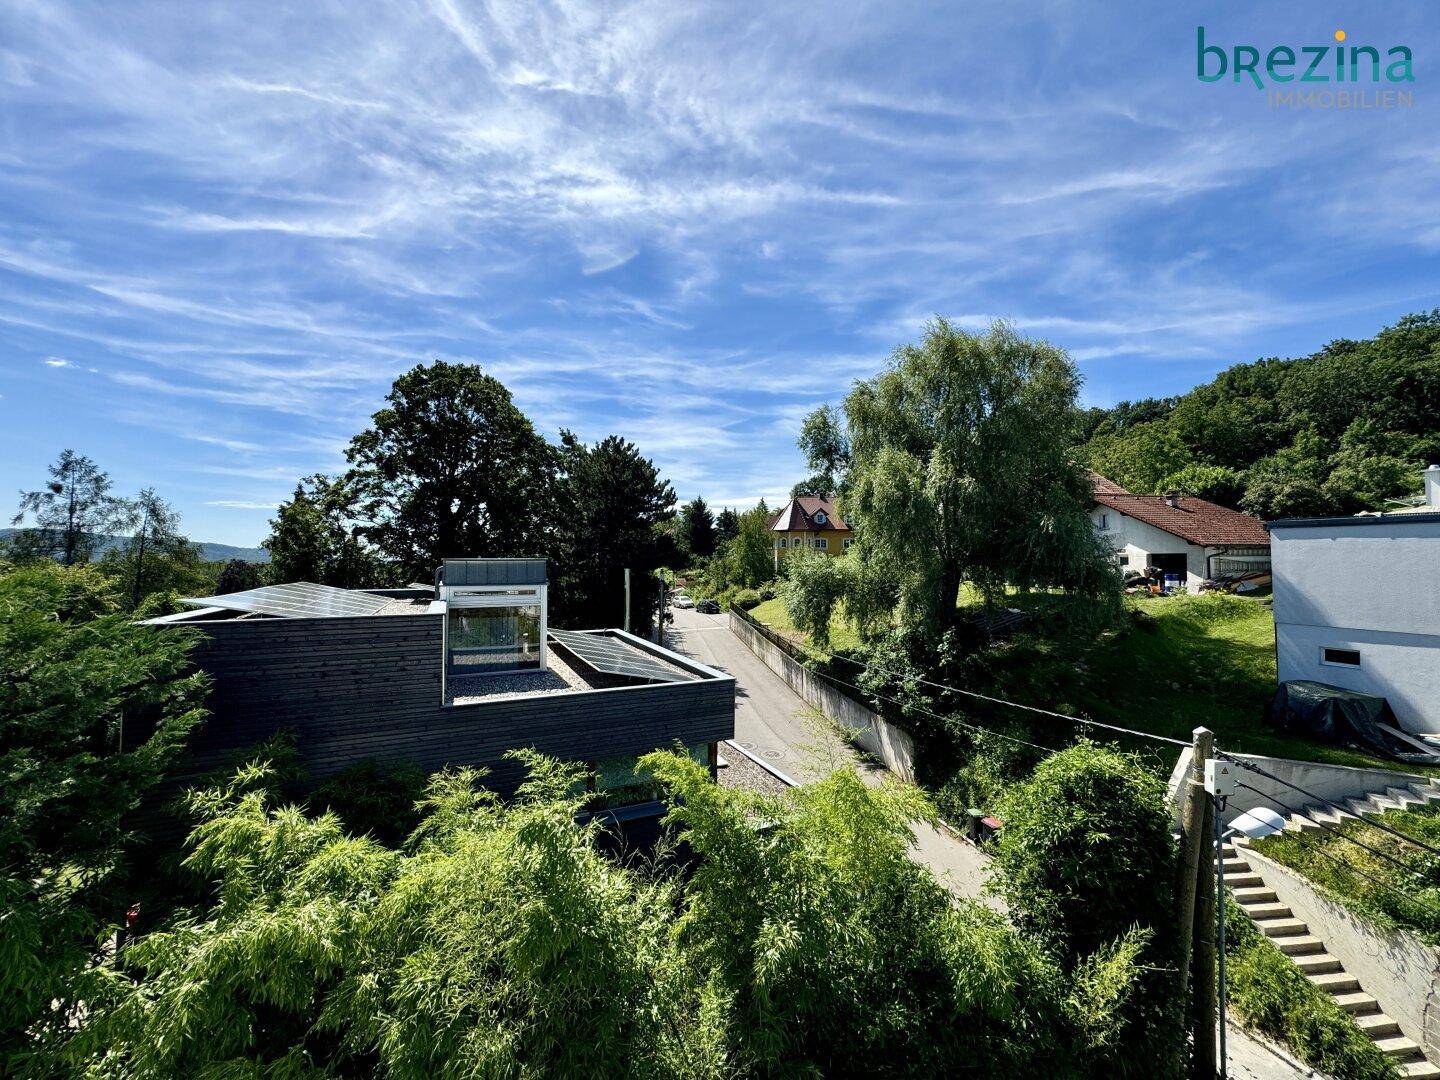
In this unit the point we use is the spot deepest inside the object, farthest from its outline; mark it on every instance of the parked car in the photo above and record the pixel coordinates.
(708, 607)
(683, 601)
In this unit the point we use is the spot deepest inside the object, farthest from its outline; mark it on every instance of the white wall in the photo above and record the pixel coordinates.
(1139, 540)
(1374, 587)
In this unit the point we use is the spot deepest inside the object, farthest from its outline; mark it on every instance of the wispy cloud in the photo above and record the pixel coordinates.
(688, 224)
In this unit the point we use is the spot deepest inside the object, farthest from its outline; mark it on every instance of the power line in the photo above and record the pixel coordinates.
(1333, 805)
(1026, 708)
(942, 718)
(1313, 847)
(1328, 828)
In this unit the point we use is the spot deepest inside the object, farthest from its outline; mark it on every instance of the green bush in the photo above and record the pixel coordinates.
(94, 714)
(373, 800)
(1086, 851)
(498, 942)
(1270, 994)
(745, 599)
(1085, 861)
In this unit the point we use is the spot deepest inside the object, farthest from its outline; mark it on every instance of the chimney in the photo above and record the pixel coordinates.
(1172, 499)
(1432, 486)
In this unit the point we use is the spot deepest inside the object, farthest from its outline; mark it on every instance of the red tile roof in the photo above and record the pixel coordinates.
(798, 515)
(1103, 485)
(1195, 520)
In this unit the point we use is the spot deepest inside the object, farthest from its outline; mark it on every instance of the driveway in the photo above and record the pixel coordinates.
(776, 724)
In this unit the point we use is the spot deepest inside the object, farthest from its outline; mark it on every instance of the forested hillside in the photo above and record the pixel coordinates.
(1338, 432)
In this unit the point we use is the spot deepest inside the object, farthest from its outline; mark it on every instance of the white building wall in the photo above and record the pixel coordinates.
(1374, 588)
(1138, 540)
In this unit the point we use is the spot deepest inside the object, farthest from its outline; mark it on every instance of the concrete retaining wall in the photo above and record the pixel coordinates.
(876, 735)
(1394, 966)
(1335, 783)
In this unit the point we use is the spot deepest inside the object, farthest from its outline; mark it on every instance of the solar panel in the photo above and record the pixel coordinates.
(617, 657)
(298, 600)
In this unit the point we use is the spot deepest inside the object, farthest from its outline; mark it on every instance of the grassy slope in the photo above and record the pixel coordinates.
(1186, 662)
(1370, 882)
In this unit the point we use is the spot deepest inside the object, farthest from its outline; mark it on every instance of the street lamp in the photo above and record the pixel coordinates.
(1222, 781)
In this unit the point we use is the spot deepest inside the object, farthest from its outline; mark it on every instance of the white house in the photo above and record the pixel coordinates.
(1357, 605)
(1179, 534)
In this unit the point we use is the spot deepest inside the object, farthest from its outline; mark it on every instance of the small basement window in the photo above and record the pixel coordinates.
(1336, 657)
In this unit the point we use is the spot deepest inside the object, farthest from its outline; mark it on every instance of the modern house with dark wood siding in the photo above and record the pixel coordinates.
(457, 674)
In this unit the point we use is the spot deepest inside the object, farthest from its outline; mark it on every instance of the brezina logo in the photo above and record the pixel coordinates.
(1338, 63)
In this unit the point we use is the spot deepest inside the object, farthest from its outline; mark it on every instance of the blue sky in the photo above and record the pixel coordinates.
(224, 228)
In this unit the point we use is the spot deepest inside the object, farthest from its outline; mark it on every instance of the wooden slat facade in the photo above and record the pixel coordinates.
(369, 687)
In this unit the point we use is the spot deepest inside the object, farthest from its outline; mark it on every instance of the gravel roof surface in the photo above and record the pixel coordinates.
(744, 773)
(560, 679)
(403, 606)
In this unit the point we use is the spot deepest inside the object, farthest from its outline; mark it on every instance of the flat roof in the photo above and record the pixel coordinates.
(572, 673)
(377, 603)
(1406, 518)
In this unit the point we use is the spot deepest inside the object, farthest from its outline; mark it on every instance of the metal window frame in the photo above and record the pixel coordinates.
(478, 597)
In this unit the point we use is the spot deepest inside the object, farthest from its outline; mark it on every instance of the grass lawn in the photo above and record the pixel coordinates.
(773, 614)
(1184, 662)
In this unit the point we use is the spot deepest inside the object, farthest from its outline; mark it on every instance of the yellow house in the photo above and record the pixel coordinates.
(809, 523)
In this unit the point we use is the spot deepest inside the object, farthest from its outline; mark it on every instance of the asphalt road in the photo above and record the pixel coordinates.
(776, 724)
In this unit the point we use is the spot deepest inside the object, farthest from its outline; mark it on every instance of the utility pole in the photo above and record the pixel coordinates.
(627, 600)
(1195, 842)
(1203, 958)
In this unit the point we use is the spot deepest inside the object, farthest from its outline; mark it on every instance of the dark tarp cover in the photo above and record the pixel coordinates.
(1337, 715)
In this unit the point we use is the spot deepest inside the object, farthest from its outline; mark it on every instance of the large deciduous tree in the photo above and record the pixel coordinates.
(610, 501)
(73, 513)
(451, 468)
(959, 472)
(315, 537)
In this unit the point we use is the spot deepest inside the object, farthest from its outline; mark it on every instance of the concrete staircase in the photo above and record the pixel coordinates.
(1293, 938)
(1395, 798)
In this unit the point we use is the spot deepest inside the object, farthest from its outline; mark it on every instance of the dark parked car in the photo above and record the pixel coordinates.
(708, 607)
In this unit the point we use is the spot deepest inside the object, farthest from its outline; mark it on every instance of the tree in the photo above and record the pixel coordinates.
(814, 584)
(827, 450)
(1141, 458)
(697, 530)
(1278, 422)
(74, 512)
(1086, 861)
(93, 712)
(960, 471)
(613, 499)
(155, 557)
(497, 941)
(237, 575)
(315, 537)
(451, 468)
(1215, 483)
(727, 524)
(748, 559)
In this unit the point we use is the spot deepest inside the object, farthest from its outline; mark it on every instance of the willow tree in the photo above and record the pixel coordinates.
(959, 472)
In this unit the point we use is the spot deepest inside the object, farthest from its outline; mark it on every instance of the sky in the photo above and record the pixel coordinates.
(226, 228)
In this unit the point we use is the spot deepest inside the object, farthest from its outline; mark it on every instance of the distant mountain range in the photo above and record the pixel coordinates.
(208, 552)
